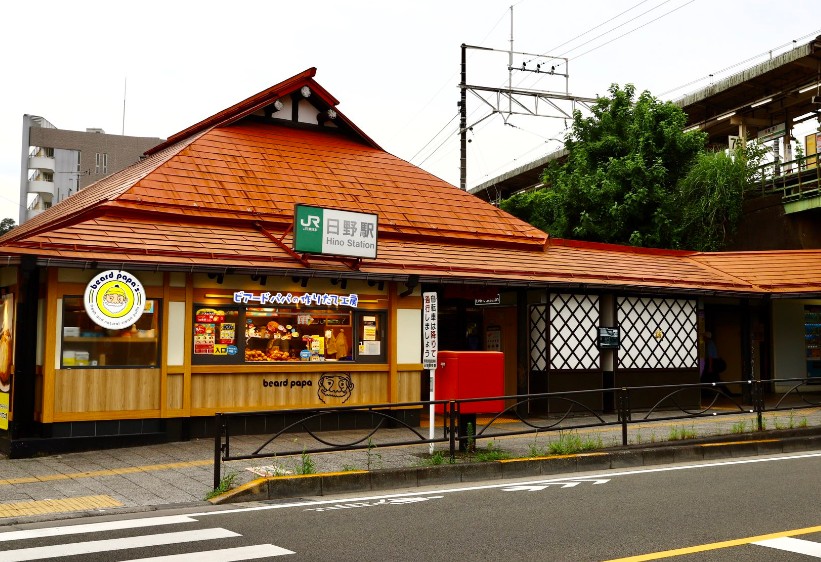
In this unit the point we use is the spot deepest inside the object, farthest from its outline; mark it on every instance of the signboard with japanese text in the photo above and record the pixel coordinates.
(771, 133)
(307, 299)
(430, 342)
(333, 232)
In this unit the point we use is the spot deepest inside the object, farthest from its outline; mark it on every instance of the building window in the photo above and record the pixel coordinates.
(249, 335)
(101, 163)
(86, 345)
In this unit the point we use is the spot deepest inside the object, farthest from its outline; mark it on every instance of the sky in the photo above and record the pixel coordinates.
(394, 66)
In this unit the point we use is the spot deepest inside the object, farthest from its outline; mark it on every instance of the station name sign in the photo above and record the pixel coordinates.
(318, 230)
(773, 132)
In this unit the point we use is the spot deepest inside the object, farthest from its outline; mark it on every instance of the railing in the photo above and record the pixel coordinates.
(569, 411)
(795, 179)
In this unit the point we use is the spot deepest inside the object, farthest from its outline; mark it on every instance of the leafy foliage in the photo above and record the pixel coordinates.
(710, 196)
(633, 176)
(6, 225)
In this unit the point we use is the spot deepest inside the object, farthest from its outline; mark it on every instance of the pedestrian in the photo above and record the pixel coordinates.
(714, 365)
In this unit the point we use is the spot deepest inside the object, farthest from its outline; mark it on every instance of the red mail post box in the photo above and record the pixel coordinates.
(471, 374)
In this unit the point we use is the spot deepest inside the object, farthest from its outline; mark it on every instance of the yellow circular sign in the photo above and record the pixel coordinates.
(114, 299)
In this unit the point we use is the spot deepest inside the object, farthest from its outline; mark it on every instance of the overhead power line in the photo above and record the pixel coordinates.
(433, 139)
(605, 22)
(599, 36)
(632, 30)
(745, 61)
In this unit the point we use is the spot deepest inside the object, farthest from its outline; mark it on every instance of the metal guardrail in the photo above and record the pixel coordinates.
(676, 402)
(794, 180)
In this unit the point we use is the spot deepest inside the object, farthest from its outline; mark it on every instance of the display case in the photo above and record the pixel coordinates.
(85, 344)
(289, 334)
(812, 340)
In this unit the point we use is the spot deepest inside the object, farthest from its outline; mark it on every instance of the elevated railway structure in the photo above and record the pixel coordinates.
(765, 102)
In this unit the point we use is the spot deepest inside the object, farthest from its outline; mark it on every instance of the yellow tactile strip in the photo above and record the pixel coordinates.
(106, 472)
(41, 507)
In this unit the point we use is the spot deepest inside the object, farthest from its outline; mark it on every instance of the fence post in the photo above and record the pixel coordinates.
(758, 404)
(452, 432)
(624, 413)
(218, 425)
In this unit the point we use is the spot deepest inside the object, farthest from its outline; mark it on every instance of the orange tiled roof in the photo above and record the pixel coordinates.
(788, 271)
(222, 193)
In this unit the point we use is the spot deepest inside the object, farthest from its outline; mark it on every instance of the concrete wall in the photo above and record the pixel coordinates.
(764, 226)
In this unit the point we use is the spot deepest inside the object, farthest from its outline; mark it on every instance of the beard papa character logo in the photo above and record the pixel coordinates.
(335, 386)
(114, 299)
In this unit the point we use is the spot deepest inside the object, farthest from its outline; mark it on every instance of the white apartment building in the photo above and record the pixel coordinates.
(57, 163)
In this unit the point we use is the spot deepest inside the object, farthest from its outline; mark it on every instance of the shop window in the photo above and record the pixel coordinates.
(86, 344)
(370, 337)
(216, 335)
(248, 335)
(289, 334)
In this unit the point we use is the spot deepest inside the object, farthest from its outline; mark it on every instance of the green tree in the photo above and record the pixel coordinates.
(6, 225)
(619, 182)
(711, 195)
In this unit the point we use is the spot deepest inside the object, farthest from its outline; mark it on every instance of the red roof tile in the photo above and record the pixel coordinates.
(222, 192)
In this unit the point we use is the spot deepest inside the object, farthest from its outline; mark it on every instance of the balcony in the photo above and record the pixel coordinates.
(41, 163)
(42, 187)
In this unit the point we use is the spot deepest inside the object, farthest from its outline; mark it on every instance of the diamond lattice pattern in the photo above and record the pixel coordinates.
(538, 337)
(657, 333)
(574, 321)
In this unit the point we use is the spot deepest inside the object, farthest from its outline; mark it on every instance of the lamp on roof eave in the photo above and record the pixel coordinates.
(323, 116)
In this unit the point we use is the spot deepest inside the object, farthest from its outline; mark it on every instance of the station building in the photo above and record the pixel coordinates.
(273, 256)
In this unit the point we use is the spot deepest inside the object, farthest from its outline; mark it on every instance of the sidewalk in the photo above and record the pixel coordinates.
(144, 478)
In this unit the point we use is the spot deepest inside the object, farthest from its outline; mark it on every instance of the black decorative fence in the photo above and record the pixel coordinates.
(567, 411)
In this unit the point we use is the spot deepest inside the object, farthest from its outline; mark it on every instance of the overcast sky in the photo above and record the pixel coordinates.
(394, 66)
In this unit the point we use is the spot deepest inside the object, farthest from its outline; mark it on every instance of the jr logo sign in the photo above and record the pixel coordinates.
(310, 223)
(335, 232)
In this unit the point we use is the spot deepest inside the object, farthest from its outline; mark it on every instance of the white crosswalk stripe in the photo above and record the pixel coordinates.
(88, 547)
(94, 527)
(789, 544)
(223, 555)
(194, 537)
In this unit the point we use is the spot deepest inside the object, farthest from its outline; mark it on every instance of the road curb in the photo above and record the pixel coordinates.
(281, 487)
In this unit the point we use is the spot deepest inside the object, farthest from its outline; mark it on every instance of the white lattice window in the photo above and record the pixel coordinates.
(657, 333)
(574, 321)
(538, 337)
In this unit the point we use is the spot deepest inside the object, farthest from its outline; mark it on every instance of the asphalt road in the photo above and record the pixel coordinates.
(602, 516)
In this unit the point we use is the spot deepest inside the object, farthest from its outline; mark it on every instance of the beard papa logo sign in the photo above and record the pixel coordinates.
(114, 299)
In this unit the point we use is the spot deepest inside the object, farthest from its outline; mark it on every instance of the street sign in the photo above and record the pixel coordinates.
(430, 340)
(430, 347)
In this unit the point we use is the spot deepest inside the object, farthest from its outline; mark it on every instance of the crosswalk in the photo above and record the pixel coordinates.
(796, 546)
(14, 545)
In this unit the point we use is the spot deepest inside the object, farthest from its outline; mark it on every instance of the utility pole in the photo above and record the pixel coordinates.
(520, 101)
(463, 120)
